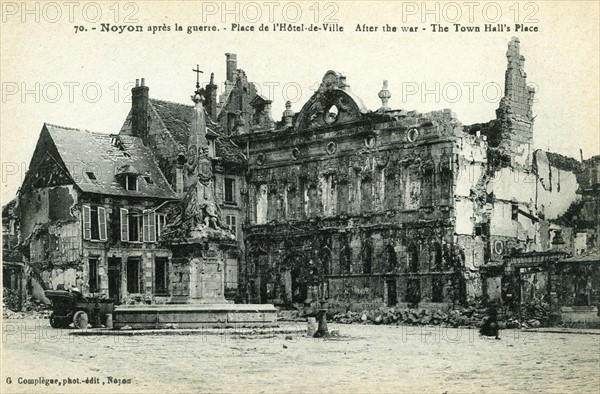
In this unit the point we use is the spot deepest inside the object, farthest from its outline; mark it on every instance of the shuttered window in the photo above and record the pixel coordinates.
(149, 221)
(102, 223)
(87, 222)
(124, 225)
(94, 223)
(161, 220)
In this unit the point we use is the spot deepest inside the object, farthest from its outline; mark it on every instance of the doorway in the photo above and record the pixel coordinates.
(114, 279)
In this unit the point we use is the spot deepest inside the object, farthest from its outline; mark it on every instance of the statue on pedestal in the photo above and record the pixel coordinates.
(199, 210)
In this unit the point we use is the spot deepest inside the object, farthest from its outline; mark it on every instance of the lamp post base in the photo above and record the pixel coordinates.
(322, 330)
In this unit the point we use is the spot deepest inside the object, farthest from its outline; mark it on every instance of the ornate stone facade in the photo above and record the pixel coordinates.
(388, 207)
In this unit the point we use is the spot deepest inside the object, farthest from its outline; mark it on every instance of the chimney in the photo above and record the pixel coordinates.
(139, 110)
(231, 66)
(211, 98)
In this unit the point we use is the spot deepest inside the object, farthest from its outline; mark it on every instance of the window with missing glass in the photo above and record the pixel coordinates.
(229, 194)
(231, 222)
(130, 182)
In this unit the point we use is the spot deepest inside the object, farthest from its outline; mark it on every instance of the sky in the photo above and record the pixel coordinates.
(58, 66)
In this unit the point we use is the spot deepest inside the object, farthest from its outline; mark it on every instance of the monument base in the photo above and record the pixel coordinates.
(194, 316)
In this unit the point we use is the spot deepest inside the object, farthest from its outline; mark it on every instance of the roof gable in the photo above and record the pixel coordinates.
(46, 167)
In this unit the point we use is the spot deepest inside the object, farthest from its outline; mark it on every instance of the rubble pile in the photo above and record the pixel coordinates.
(32, 308)
(10, 299)
(462, 317)
(534, 314)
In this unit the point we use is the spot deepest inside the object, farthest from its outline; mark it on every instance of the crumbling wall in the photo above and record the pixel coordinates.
(62, 278)
(44, 205)
(513, 218)
(556, 187)
(514, 114)
(505, 211)
(33, 208)
(53, 242)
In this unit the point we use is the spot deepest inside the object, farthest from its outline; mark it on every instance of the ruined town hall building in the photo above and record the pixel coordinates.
(362, 207)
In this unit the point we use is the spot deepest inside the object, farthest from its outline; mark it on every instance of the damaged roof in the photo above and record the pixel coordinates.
(94, 161)
(177, 120)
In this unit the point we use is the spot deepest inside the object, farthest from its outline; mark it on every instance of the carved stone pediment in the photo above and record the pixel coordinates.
(333, 103)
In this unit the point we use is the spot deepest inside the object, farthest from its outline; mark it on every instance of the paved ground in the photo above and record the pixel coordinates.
(365, 359)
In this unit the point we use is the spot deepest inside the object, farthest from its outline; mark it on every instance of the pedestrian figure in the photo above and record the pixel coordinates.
(489, 328)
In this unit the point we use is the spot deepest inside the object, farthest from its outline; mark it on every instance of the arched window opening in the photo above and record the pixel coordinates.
(326, 260)
(345, 258)
(413, 258)
(437, 257)
(392, 261)
(367, 257)
(437, 291)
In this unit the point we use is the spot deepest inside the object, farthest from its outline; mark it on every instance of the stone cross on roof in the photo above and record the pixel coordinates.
(197, 71)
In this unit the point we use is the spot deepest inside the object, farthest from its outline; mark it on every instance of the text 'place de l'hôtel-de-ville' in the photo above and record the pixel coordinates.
(364, 207)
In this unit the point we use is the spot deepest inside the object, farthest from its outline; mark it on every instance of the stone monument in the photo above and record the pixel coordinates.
(199, 251)
(200, 246)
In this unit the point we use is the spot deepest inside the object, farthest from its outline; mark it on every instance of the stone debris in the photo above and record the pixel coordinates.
(10, 299)
(532, 316)
(31, 309)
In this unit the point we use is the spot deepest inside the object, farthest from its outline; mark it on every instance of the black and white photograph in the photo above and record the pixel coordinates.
(300, 196)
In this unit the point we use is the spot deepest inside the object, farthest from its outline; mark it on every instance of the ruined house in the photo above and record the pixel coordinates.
(336, 201)
(14, 270)
(91, 213)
